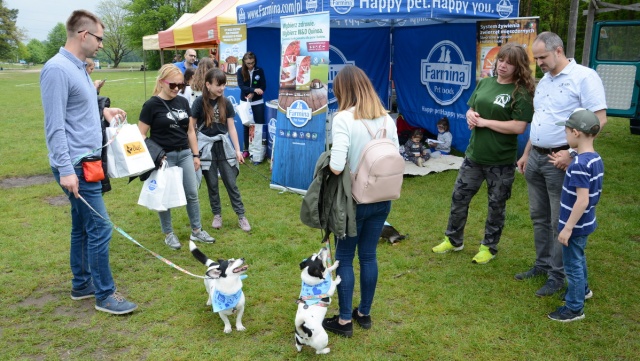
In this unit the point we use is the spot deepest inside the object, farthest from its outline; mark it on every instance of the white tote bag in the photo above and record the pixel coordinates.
(153, 190)
(174, 192)
(127, 155)
(258, 144)
(245, 113)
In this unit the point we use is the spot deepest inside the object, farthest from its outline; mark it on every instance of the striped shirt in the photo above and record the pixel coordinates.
(585, 171)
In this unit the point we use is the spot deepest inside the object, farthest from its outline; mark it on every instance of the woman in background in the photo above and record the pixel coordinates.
(188, 77)
(197, 82)
(252, 85)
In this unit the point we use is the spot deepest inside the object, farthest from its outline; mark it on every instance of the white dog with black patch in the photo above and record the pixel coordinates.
(315, 297)
(224, 286)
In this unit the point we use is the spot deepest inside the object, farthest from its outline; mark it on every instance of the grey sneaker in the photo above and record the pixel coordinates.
(217, 221)
(115, 305)
(172, 241)
(201, 236)
(533, 272)
(87, 292)
(549, 288)
(244, 224)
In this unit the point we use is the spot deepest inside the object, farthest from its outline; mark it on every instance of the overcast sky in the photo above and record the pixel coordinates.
(38, 17)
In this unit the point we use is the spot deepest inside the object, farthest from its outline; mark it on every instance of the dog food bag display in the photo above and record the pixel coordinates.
(303, 78)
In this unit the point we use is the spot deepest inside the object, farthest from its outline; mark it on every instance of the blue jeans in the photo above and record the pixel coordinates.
(90, 237)
(544, 183)
(369, 220)
(184, 160)
(575, 266)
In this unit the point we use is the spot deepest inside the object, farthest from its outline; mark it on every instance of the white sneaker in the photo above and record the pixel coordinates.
(217, 221)
(243, 222)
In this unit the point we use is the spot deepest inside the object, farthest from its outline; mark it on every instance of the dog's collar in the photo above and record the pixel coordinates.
(320, 303)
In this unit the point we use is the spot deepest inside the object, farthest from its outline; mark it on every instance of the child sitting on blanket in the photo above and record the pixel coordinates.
(443, 145)
(415, 151)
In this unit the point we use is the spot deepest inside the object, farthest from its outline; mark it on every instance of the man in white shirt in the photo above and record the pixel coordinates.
(565, 86)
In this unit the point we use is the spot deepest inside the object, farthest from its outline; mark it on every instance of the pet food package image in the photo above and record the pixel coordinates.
(303, 78)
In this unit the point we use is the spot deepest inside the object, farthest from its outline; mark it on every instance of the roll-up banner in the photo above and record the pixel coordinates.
(233, 45)
(302, 100)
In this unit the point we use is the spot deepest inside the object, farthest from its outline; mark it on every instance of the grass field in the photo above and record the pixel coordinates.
(427, 306)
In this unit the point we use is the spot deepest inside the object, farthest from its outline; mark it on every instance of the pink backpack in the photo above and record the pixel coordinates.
(380, 170)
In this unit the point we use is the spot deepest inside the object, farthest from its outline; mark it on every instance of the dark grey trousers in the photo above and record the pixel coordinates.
(544, 182)
(228, 174)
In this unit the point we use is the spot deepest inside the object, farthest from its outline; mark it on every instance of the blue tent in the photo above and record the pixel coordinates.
(428, 48)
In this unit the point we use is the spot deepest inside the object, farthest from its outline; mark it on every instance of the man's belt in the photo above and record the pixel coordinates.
(550, 150)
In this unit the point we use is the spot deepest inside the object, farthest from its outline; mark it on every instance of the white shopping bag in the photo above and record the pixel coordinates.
(174, 193)
(245, 113)
(257, 142)
(127, 155)
(153, 190)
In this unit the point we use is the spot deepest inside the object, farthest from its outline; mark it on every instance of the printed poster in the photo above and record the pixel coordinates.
(492, 34)
(233, 45)
(302, 100)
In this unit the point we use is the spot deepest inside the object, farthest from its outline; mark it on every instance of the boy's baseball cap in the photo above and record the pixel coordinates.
(583, 120)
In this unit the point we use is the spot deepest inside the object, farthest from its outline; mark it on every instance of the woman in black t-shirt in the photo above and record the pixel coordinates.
(213, 115)
(166, 116)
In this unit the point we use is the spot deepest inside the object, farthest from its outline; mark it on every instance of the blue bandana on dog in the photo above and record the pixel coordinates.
(221, 301)
(319, 289)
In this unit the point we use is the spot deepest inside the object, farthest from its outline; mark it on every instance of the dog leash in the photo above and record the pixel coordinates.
(118, 126)
(120, 230)
(127, 236)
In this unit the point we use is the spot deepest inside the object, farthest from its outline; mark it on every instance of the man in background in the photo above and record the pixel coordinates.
(189, 61)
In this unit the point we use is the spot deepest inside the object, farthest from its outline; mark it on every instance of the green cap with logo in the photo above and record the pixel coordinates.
(583, 120)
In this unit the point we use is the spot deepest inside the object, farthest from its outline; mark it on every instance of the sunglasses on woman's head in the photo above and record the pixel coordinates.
(174, 85)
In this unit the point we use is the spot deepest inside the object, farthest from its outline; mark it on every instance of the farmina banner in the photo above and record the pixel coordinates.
(268, 12)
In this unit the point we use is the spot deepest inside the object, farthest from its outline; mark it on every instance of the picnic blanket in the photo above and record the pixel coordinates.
(436, 165)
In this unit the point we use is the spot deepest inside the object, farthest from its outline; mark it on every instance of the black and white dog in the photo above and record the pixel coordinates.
(315, 297)
(224, 286)
(391, 234)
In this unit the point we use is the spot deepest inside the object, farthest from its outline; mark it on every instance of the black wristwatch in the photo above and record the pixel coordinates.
(196, 155)
(572, 153)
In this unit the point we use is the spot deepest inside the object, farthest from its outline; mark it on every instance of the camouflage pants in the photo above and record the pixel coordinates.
(471, 175)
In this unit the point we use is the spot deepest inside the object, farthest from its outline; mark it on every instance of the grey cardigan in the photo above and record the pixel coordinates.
(205, 143)
(328, 203)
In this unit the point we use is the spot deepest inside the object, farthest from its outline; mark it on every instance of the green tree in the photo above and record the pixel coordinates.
(113, 14)
(9, 35)
(57, 38)
(148, 17)
(37, 52)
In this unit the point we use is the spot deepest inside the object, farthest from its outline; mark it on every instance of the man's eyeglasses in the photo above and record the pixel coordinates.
(174, 85)
(95, 36)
